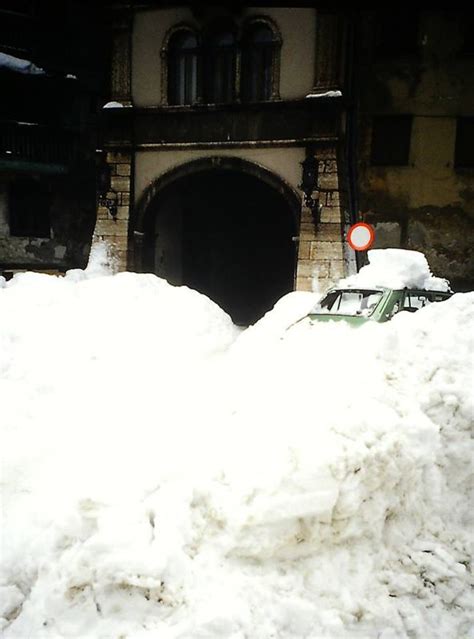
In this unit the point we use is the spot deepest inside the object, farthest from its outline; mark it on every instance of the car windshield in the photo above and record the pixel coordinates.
(349, 302)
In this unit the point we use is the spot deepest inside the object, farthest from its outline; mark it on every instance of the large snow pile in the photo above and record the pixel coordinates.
(163, 478)
(396, 268)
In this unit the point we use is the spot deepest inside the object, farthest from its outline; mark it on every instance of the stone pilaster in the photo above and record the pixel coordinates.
(320, 254)
(114, 231)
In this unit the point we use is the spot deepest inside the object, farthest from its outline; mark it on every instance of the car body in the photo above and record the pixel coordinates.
(378, 304)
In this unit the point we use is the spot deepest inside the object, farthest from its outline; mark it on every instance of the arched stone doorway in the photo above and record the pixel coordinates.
(224, 227)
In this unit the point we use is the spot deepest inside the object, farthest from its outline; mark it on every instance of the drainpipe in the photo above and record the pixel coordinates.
(353, 258)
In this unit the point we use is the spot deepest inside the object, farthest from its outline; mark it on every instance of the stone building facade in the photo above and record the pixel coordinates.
(212, 114)
(206, 160)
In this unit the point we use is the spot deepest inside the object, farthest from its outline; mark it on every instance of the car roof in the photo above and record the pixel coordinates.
(386, 288)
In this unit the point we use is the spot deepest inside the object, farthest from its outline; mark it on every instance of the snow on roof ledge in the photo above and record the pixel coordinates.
(396, 268)
(113, 105)
(19, 65)
(326, 94)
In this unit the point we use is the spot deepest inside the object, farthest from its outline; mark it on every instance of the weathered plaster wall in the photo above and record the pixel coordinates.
(72, 220)
(297, 28)
(427, 205)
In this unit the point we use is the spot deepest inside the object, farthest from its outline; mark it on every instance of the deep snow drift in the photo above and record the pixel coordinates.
(166, 477)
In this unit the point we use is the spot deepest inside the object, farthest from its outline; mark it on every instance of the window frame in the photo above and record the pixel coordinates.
(204, 49)
(253, 23)
(461, 144)
(184, 81)
(466, 50)
(213, 55)
(174, 31)
(376, 157)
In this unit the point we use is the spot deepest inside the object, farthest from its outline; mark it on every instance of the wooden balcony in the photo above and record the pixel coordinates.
(296, 122)
(33, 146)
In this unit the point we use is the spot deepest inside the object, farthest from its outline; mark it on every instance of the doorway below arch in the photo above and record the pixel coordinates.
(227, 234)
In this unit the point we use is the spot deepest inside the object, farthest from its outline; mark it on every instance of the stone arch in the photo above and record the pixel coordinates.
(205, 164)
(223, 226)
(266, 21)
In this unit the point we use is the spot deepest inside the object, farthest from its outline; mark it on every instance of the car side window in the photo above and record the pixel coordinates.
(415, 301)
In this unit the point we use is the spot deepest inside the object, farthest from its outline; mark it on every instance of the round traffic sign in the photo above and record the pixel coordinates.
(361, 236)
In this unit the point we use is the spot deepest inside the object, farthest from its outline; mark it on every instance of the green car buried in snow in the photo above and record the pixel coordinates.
(359, 305)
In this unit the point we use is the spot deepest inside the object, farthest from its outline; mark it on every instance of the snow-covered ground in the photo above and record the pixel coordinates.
(166, 476)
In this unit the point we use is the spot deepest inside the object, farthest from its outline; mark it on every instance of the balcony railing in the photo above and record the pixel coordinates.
(37, 144)
(279, 122)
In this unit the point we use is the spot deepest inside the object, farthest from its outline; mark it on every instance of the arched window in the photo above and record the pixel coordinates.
(220, 66)
(183, 68)
(260, 51)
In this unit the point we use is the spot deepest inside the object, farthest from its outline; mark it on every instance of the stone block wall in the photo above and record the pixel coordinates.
(320, 254)
(114, 231)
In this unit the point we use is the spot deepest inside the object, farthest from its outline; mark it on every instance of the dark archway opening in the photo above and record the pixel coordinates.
(227, 234)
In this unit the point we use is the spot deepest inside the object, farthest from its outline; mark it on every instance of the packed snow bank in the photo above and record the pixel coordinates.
(101, 262)
(396, 268)
(162, 479)
(286, 312)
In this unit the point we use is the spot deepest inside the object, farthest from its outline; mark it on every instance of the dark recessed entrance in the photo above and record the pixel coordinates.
(227, 234)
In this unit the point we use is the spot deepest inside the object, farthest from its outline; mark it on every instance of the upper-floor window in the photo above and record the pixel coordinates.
(464, 152)
(396, 33)
(219, 67)
(391, 135)
(182, 68)
(467, 31)
(221, 64)
(258, 52)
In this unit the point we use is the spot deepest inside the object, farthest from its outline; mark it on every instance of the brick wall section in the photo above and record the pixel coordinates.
(320, 253)
(115, 231)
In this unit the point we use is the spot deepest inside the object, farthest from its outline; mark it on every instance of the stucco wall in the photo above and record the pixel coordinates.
(297, 28)
(284, 162)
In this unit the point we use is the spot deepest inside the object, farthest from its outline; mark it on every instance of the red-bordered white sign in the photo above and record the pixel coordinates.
(361, 236)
